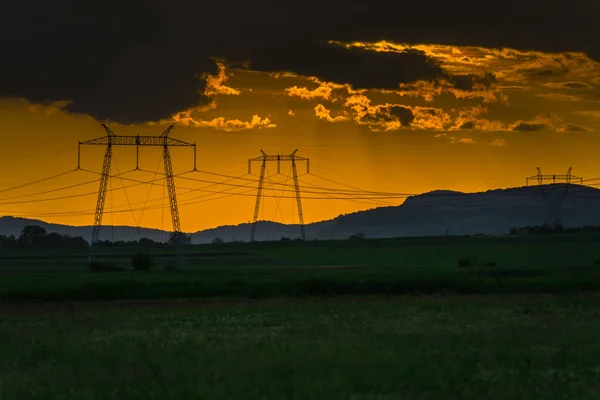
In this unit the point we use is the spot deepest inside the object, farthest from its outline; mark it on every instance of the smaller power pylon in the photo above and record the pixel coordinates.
(278, 158)
(164, 141)
(553, 178)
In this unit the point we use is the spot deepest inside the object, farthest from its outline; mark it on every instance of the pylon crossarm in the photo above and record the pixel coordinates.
(137, 141)
(285, 157)
(278, 157)
(166, 133)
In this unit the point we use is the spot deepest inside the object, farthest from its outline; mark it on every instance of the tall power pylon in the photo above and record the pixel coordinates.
(111, 140)
(278, 158)
(554, 199)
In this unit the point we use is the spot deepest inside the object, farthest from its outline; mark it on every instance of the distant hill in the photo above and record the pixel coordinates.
(430, 214)
(491, 212)
(14, 226)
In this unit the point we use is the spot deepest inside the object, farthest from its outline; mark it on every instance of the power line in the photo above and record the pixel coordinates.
(247, 193)
(38, 181)
(60, 188)
(75, 195)
(357, 190)
(331, 194)
(304, 190)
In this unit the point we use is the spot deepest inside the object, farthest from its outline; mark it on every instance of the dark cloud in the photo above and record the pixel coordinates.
(359, 68)
(111, 65)
(404, 114)
(133, 61)
(575, 128)
(528, 127)
(577, 85)
(384, 114)
(569, 85)
(135, 93)
(467, 125)
(468, 82)
(544, 72)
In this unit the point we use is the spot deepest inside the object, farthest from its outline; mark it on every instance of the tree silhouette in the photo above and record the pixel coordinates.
(32, 234)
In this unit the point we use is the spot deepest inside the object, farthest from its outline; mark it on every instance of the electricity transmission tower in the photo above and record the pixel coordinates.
(541, 178)
(555, 202)
(278, 158)
(138, 141)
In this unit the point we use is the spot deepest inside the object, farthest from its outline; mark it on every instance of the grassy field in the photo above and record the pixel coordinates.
(469, 347)
(364, 319)
(512, 264)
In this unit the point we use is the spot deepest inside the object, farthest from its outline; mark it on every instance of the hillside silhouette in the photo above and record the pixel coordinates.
(436, 213)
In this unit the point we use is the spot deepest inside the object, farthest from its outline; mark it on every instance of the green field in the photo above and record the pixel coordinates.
(364, 319)
(512, 264)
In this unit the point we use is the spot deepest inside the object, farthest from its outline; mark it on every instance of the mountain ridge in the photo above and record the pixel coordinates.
(439, 212)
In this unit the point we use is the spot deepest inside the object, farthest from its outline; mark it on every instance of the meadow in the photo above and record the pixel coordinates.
(552, 263)
(506, 317)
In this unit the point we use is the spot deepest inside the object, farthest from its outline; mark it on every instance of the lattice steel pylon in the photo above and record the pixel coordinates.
(111, 140)
(553, 178)
(555, 202)
(278, 158)
(103, 185)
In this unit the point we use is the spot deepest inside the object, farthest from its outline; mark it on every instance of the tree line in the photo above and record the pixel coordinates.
(36, 237)
(555, 228)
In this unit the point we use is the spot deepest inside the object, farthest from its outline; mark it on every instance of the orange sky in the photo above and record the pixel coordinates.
(526, 118)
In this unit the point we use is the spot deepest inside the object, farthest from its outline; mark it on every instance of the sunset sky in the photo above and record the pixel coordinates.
(402, 100)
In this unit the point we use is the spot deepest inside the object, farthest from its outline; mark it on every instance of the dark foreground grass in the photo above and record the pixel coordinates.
(363, 348)
(278, 283)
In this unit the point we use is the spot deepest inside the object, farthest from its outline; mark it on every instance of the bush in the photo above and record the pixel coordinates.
(597, 261)
(358, 236)
(141, 261)
(465, 262)
(104, 267)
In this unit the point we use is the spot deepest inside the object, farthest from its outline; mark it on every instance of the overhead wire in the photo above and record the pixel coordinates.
(77, 213)
(356, 190)
(37, 181)
(149, 192)
(277, 198)
(95, 193)
(287, 178)
(129, 209)
(137, 228)
(331, 194)
(162, 216)
(341, 184)
(112, 215)
(356, 201)
(356, 194)
(292, 189)
(56, 190)
(128, 206)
